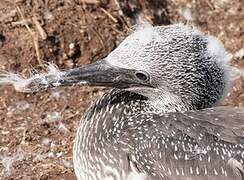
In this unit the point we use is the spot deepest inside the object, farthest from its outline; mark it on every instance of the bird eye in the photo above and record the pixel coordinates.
(142, 76)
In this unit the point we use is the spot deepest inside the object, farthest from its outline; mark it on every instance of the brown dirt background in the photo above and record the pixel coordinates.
(37, 130)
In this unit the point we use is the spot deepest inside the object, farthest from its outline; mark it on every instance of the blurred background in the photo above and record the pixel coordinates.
(37, 130)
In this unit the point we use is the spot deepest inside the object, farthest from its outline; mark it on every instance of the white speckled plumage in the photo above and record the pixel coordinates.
(159, 132)
(163, 125)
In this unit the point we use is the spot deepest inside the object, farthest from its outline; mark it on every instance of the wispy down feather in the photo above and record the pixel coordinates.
(35, 82)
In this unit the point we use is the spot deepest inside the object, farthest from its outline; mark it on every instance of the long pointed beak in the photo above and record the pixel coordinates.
(101, 73)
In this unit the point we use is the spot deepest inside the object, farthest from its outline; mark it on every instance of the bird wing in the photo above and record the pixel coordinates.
(192, 144)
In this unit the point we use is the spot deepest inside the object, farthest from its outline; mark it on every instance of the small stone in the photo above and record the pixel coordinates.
(19, 1)
(69, 63)
(52, 145)
(59, 154)
(187, 14)
(5, 132)
(48, 16)
(46, 141)
(51, 155)
(239, 54)
(67, 163)
(71, 45)
(62, 128)
(55, 95)
(22, 105)
(53, 117)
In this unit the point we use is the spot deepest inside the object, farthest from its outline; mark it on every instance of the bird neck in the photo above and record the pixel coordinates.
(94, 136)
(104, 124)
(164, 101)
(112, 107)
(118, 105)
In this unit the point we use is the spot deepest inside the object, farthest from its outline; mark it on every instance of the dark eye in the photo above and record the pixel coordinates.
(142, 76)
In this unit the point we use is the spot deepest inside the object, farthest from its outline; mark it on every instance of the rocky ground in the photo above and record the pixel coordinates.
(37, 130)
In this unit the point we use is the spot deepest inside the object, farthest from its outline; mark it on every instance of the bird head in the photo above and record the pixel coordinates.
(172, 63)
